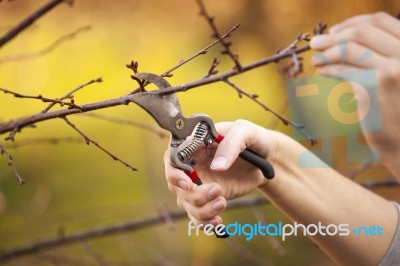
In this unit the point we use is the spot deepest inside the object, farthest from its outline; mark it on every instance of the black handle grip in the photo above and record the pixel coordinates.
(256, 160)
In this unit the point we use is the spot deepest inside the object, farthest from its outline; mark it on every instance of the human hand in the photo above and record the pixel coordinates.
(224, 176)
(379, 33)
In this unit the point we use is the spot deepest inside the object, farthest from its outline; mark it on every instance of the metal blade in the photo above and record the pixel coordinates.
(165, 109)
(161, 83)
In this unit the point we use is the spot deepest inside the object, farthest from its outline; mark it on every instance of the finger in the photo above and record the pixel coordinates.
(233, 144)
(176, 177)
(381, 20)
(201, 195)
(367, 35)
(350, 53)
(207, 211)
(332, 69)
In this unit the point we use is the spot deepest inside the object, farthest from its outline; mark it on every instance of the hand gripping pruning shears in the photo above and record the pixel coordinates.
(166, 111)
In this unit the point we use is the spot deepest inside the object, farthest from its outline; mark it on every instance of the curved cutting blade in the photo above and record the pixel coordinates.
(165, 109)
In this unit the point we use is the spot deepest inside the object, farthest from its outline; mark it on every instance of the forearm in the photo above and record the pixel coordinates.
(312, 195)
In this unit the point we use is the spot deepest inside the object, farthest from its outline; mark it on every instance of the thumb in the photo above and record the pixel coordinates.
(236, 139)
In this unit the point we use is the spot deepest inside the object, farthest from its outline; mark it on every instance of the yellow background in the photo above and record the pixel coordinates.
(73, 187)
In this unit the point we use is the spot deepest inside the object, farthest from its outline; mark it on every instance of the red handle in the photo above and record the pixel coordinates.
(194, 177)
(219, 138)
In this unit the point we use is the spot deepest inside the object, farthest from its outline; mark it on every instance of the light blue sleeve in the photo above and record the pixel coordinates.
(392, 256)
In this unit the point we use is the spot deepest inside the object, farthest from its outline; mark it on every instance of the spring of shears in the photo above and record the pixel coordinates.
(199, 135)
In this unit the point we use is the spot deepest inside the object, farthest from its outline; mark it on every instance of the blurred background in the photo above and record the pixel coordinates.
(73, 187)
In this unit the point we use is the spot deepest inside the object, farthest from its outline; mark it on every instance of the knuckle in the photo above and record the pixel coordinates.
(199, 214)
(241, 122)
(197, 200)
(358, 32)
(377, 17)
(195, 213)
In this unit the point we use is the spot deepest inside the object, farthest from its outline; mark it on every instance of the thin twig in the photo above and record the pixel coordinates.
(233, 72)
(296, 65)
(44, 51)
(284, 120)
(12, 33)
(163, 212)
(69, 95)
(89, 140)
(18, 124)
(11, 164)
(212, 70)
(294, 68)
(389, 182)
(227, 45)
(41, 141)
(41, 98)
(141, 224)
(155, 130)
(293, 45)
(124, 100)
(134, 64)
(219, 39)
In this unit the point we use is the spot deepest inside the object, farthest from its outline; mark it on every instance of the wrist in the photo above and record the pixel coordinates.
(285, 155)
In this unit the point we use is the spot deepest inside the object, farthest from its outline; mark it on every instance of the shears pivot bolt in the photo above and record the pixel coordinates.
(179, 124)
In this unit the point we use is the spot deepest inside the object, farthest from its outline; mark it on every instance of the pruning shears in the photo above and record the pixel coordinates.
(166, 111)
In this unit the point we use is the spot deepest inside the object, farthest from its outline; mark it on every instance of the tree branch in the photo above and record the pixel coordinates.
(155, 130)
(18, 124)
(389, 182)
(115, 229)
(89, 140)
(10, 163)
(220, 39)
(42, 98)
(134, 64)
(69, 95)
(41, 141)
(44, 51)
(284, 120)
(227, 45)
(143, 224)
(12, 33)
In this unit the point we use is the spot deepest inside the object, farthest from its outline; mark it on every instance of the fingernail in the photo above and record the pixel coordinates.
(183, 185)
(218, 162)
(319, 41)
(218, 206)
(214, 192)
